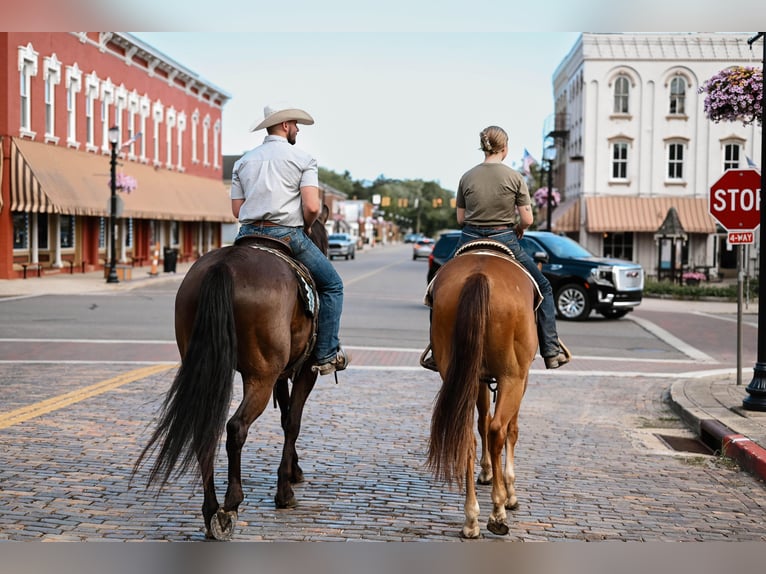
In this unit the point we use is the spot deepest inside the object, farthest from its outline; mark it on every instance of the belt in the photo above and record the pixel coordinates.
(264, 223)
(493, 227)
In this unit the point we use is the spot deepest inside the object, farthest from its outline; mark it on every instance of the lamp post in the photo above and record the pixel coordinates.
(114, 135)
(756, 401)
(549, 154)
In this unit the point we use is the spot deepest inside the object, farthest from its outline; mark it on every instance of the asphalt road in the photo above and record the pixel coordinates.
(591, 461)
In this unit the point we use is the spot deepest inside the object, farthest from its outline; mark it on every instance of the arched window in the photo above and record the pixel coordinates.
(677, 95)
(621, 95)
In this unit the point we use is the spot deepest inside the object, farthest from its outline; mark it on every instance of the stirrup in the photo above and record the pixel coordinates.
(427, 361)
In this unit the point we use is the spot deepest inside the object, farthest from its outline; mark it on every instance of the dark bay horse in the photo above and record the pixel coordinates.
(482, 332)
(238, 308)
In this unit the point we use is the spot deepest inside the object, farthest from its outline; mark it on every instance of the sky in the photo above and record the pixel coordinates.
(402, 105)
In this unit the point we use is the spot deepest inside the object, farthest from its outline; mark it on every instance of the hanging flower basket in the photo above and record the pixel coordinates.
(735, 95)
(540, 198)
(125, 183)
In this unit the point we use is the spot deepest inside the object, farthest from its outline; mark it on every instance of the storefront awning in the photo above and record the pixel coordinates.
(566, 217)
(646, 214)
(2, 153)
(52, 179)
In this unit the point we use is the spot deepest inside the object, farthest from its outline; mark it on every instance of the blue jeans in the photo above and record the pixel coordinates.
(328, 282)
(546, 312)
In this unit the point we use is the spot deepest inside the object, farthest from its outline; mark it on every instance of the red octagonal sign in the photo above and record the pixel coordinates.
(735, 199)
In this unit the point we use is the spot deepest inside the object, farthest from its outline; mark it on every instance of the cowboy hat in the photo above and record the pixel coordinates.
(273, 115)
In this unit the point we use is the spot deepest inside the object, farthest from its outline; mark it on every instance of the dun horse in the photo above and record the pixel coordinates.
(483, 333)
(238, 308)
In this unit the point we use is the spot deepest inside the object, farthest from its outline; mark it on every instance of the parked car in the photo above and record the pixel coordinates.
(341, 245)
(412, 237)
(422, 248)
(582, 282)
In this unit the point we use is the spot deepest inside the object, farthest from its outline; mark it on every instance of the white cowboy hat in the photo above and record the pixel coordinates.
(273, 115)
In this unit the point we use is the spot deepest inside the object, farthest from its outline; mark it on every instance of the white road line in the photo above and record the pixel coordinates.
(673, 341)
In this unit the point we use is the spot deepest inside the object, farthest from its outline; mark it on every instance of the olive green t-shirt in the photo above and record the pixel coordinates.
(490, 193)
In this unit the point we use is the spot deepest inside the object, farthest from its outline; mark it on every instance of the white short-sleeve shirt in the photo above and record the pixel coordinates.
(269, 178)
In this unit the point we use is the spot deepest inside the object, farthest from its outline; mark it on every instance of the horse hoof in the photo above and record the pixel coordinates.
(470, 533)
(297, 476)
(484, 478)
(222, 525)
(290, 503)
(497, 527)
(512, 505)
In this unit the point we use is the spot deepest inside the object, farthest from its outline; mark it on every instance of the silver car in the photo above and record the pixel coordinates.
(341, 245)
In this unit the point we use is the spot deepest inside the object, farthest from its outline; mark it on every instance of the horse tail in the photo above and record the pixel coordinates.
(452, 423)
(196, 406)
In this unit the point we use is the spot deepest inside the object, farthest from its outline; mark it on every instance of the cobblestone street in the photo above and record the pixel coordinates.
(589, 466)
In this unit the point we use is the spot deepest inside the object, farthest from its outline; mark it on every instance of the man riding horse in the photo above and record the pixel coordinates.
(275, 192)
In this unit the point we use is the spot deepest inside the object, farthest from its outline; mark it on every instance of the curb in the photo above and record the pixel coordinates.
(750, 456)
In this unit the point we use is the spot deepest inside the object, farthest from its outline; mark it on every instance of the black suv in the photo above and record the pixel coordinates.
(581, 281)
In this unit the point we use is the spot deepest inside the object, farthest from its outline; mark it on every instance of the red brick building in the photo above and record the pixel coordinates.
(61, 94)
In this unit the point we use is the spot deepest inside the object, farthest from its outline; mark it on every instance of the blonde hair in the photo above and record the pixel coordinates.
(493, 139)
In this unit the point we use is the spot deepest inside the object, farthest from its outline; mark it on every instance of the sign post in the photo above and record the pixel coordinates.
(735, 202)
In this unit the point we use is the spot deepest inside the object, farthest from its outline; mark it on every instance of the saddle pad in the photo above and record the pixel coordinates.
(427, 300)
(307, 292)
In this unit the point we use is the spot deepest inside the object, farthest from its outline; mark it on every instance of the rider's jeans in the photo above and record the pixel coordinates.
(328, 282)
(546, 312)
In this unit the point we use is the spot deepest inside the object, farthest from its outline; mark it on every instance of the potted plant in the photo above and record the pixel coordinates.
(540, 198)
(693, 277)
(734, 95)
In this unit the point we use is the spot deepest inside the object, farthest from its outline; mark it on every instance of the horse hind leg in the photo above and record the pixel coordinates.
(509, 471)
(482, 403)
(293, 471)
(256, 397)
(471, 509)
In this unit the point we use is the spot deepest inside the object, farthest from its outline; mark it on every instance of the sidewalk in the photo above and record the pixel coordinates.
(65, 283)
(711, 407)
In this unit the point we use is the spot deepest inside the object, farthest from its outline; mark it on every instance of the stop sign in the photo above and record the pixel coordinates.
(735, 199)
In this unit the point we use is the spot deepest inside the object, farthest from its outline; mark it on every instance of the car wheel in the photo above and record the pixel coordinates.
(347, 256)
(572, 303)
(614, 313)
(353, 254)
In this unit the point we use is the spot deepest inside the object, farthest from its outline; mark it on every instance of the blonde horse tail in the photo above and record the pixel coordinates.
(452, 421)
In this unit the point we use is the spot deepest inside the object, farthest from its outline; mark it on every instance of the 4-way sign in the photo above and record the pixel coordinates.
(735, 203)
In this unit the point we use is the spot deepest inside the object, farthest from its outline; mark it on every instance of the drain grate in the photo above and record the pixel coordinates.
(685, 444)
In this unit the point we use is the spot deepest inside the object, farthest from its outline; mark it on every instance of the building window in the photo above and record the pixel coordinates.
(170, 123)
(195, 124)
(129, 232)
(51, 78)
(91, 93)
(157, 113)
(181, 129)
(619, 245)
(67, 231)
(675, 161)
(27, 68)
(677, 95)
(731, 155)
(107, 98)
(621, 95)
(205, 130)
(144, 107)
(174, 233)
(216, 139)
(20, 231)
(73, 86)
(620, 160)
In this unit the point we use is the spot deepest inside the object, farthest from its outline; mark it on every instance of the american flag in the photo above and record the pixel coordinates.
(527, 162)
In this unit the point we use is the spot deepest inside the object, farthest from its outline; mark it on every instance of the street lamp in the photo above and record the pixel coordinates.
(114, 136)
(549, 154)
(756, 401)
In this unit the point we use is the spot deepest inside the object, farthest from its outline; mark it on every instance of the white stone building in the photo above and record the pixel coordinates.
(632, 141)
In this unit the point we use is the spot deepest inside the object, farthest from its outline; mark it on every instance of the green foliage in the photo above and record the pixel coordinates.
(694, 292)
(415, 204)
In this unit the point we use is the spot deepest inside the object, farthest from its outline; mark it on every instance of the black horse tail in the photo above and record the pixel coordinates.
(452, 438)
(196, 406)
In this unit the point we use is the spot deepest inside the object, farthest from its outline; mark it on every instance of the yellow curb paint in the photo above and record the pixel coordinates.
(55, 403)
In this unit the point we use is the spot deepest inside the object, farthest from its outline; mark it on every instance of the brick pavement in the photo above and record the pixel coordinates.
(589, 467)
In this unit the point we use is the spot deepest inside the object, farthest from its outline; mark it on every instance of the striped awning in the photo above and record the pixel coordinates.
(646, 214)
(52, 179)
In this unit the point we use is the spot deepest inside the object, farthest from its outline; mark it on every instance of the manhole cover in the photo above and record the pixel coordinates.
(684, 444)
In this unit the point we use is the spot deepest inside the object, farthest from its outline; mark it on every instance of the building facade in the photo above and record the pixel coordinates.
(62, 94)
(632, 141)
